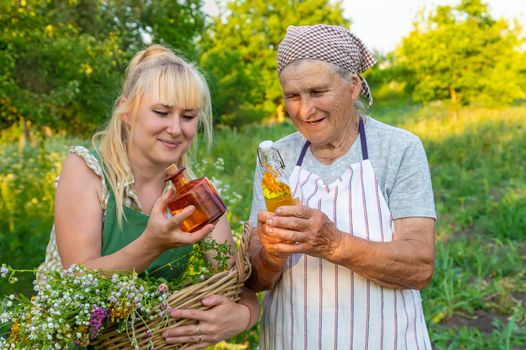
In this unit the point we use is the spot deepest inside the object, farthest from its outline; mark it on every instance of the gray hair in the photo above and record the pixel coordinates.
(346, 75)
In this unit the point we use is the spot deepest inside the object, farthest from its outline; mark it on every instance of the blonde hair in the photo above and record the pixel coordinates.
(172, 81)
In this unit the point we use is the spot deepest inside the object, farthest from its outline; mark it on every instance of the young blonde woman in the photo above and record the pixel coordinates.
(110, 204)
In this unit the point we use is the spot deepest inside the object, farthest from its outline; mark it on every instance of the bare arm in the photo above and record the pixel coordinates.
(266, 269)
(78, 225)
(406, 262)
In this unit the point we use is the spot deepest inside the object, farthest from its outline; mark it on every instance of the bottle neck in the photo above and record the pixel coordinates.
(272, 167)
(271, 160)
(179, 180)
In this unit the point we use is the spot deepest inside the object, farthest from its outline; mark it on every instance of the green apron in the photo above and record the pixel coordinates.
(133, 225)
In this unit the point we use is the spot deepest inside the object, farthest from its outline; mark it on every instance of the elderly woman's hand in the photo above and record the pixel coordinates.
(299, 229)
(268, 241)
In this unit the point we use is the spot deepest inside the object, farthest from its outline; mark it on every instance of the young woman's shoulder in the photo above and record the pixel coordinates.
(78, 211)
(81, 173)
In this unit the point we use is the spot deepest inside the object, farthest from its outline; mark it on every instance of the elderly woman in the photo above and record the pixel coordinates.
(344, 263)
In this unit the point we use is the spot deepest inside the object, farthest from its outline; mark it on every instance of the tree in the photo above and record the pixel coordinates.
(177, 23)
(47, 63)
(463, 54)
(240, 50)
(63, 61)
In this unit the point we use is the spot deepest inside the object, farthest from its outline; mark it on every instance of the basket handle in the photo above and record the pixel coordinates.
(243, 266)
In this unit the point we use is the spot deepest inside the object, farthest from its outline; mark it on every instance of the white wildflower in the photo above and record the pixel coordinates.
(5, 317)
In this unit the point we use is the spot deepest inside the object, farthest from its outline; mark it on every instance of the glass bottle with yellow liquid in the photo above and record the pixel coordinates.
(276, 190)
(198, 192)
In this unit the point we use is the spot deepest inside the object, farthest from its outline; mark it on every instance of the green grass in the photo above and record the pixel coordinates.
(477, 159)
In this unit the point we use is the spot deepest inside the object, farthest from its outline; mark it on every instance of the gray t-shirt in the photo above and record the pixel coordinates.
(398, 159)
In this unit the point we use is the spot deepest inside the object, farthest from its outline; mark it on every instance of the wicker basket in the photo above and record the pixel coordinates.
(227, 283)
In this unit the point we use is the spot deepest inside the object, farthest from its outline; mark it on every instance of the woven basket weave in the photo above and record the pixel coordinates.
(227, 283)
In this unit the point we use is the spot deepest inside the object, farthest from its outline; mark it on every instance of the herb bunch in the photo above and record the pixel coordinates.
(75, 305)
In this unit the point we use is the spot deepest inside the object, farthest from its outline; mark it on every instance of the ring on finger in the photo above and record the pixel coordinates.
(198, 331)
(200, 339)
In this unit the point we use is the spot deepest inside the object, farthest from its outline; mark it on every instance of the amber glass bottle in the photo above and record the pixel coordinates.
(276, 190)
(200, 193)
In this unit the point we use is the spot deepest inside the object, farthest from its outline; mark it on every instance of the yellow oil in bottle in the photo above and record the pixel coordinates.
(275, 192)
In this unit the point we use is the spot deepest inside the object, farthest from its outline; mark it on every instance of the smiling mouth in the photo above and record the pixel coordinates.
(314, 122)
(170, 143)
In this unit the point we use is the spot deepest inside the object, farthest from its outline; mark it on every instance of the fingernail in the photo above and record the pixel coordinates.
(269, 221)
(278, 211)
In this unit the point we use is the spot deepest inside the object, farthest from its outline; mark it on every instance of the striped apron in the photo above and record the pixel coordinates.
(320, 305)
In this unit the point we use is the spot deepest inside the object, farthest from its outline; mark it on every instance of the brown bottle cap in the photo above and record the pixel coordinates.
(171, 171)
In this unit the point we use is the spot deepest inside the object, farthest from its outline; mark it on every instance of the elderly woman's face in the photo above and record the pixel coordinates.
(319, 101)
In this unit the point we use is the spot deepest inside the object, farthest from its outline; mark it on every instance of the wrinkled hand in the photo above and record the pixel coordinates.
(163, 233)
(269, 241)
(224, 319)
(297, 229)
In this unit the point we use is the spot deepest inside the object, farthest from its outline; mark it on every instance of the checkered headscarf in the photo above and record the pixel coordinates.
(327, 43)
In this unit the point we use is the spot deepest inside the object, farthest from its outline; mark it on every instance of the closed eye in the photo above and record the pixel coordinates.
(189, 114)
(291, 97)
(163, 113)
(318, 92)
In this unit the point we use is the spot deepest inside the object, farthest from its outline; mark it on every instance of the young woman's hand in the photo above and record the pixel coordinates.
(223, 320)
(163, 233)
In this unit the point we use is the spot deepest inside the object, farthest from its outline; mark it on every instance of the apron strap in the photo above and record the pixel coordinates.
(363, 142)
(302, 154)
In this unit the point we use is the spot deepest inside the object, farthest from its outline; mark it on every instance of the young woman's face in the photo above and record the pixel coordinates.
(161, 133)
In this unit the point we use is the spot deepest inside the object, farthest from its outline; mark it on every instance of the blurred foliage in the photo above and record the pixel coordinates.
(476, 158)
(62, 61)
(387, 80)
(463, 54)
(240, 50)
